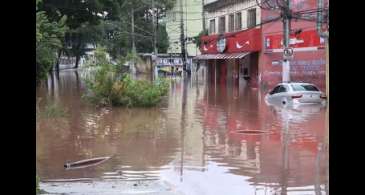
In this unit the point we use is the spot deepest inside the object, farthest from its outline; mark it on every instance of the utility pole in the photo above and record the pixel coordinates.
(133, 64)
(323, 35)
(182, 36)
(203, 15)
(133, 39)
(154, 28)
(286, 26)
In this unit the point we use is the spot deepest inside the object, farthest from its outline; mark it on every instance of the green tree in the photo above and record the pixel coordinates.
(108, 22)
(49, 36)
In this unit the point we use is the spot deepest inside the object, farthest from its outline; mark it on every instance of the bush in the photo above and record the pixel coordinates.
(110, 88)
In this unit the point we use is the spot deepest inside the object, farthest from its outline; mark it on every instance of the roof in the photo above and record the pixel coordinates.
(296, 83)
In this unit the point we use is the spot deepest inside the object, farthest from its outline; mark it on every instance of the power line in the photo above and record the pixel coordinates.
(260, 24)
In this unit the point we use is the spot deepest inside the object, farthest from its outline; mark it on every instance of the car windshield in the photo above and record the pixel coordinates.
(303, 87)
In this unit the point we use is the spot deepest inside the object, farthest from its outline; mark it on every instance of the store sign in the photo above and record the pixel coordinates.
(221, 44)
(235, 42)
(304, 39)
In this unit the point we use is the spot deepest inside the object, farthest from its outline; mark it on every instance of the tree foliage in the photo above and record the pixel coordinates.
(97, 22)
(49, 36)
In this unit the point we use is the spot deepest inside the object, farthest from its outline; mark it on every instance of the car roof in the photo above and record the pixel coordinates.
(295, 83)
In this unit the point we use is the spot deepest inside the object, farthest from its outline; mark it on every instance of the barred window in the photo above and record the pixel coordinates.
(212, 26)
(238, 25)
(251, 18)
(231, 23)
(222, 25)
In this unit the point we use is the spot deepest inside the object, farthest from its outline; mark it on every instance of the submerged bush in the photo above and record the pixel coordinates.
(108, 87)
(52, 110)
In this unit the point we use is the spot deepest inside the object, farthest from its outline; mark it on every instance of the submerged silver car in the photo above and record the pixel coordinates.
(295, 94)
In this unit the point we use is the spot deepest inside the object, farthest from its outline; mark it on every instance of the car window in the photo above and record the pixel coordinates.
(275, 90)
(303, 87)
(282, 89)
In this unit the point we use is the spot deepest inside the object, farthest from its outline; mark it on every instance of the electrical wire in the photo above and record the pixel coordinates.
(260, 24)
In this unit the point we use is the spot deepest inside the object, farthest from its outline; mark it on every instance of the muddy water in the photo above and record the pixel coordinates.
(202, 139)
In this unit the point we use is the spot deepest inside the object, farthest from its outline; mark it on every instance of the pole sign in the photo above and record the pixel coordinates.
(288, 53)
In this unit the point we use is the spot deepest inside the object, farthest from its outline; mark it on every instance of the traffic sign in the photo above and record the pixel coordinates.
(288, 53)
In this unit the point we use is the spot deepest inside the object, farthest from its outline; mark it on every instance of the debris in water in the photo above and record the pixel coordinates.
(85, 163)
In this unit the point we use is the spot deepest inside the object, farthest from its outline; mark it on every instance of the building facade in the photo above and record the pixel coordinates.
(309, 60)
(192, 14)
(231, 48)
(245, 42)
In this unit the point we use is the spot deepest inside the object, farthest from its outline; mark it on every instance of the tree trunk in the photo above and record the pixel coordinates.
(78, 51)
(58, 60)
(77, 61)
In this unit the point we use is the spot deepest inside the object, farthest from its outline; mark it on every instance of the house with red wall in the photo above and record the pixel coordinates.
(244, 43)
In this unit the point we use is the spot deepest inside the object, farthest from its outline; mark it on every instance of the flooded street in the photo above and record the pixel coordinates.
(202, 139)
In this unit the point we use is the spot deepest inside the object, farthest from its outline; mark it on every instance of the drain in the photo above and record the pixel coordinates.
(252, 132)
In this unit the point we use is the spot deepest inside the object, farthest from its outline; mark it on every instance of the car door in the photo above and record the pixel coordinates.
(274, 94)
(279, 95)
(282, 95)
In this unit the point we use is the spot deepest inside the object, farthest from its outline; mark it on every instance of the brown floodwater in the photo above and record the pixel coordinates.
(202, 139)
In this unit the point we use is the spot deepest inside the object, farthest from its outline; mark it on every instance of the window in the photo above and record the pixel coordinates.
(304, 88)
(275, 90)
(238, 21)
(278, 89)
(212, 26)
(231, 23)
(222, 25)
(282, 89)
(251, 18)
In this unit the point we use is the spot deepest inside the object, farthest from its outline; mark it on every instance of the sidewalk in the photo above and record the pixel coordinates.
(110, 187)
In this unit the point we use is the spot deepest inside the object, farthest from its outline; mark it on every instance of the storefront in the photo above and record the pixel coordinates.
(232, 56)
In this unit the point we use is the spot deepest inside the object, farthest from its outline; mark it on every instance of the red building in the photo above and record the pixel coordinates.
(247, 47)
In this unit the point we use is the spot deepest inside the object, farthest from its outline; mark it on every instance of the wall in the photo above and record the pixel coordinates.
(235, 8)
(144, 66)
(306, 66)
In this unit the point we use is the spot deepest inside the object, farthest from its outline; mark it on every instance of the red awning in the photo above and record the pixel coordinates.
(221, 56)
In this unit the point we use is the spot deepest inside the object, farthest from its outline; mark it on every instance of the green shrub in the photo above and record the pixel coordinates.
(109, 88)
(53, 110)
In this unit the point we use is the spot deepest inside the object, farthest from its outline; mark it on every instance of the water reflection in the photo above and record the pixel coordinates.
(193, 138)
